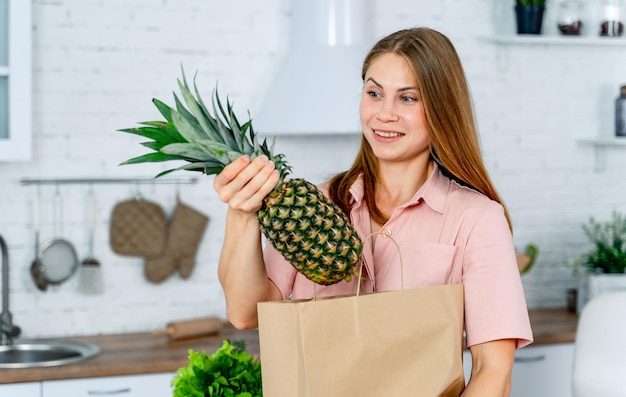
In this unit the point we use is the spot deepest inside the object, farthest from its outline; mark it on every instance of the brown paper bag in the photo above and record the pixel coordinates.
(396, 343)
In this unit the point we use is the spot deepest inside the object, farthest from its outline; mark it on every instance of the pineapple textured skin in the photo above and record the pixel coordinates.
(311, 232)
(306, 227)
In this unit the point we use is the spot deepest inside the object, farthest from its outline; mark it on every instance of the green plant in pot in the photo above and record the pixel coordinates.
(608, 254)
(604, 264)
(529, 16)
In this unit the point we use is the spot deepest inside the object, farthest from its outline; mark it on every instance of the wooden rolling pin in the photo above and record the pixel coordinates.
(196, 328)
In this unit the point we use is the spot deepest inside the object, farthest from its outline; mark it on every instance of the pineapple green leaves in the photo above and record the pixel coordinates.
(307, 228)
(206, 140)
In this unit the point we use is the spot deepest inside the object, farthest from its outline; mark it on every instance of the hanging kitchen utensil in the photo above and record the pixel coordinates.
(56, 259)
(36, 268)
(185, 231)
(90, 274)
(138, 228)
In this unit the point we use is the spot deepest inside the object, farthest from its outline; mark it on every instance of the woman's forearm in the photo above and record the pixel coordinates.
(492, 364)
(241, 269)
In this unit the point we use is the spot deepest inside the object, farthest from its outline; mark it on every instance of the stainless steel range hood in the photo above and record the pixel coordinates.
(317, 86)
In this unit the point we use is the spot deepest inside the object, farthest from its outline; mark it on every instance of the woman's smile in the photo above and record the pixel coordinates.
(387, 134)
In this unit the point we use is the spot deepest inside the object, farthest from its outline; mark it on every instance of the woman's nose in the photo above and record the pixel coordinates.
(387, 111)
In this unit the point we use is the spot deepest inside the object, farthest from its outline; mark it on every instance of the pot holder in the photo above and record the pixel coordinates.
(138, 228)
(186, 228)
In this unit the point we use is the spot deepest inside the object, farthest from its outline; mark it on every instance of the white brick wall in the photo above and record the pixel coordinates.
(97, 64)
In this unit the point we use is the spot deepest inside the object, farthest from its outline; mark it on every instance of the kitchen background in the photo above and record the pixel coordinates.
(97, 64)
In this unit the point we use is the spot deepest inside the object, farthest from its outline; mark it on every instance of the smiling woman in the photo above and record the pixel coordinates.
(419, 176)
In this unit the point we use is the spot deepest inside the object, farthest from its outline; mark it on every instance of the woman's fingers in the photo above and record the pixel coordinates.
(230, 172)
(244, 183)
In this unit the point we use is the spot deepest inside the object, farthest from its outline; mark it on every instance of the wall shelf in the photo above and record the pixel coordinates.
(504, 43)
(531, 39)
(600, 146)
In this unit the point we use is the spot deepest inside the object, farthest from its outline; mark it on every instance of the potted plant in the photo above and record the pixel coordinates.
(529, 15)
(604, 264)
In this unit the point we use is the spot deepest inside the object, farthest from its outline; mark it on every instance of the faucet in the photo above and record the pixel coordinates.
(8, 330)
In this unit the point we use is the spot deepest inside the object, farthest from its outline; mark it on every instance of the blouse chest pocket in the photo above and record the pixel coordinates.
(429, 264)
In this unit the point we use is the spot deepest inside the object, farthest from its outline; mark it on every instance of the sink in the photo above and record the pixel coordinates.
(15, 353)
(45, 353)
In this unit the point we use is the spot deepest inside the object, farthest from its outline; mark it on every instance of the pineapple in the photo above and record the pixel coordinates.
(307, 228)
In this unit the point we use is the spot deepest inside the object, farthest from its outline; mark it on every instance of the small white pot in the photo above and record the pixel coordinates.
(592, 285)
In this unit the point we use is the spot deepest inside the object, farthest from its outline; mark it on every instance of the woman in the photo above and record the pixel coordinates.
(418, 177)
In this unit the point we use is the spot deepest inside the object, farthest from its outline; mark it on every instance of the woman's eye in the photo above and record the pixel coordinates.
(373, 94)
(406, 98)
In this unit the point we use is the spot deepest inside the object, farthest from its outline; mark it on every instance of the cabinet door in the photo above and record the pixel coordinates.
(543, 371)
(153, 385)
(30, 389)
(15, 80)
(539, 371)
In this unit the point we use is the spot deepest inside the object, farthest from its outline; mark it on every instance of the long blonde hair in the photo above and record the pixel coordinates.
(449, 114)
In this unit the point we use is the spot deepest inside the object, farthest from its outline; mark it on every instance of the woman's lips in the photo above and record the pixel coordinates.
(387, 135)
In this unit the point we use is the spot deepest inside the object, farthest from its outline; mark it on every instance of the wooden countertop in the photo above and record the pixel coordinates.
(143, 353)
(132, 354)
(553, 326)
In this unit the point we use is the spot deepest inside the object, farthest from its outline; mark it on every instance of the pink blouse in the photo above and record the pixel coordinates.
(447, 234)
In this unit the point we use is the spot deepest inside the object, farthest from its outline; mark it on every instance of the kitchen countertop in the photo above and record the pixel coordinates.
(143, 353)
(132, 354)
(553, 326)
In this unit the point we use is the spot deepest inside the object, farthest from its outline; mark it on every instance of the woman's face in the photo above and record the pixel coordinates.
(392, 112)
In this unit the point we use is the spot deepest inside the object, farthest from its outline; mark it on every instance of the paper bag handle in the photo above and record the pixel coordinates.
(387, 235)
(358, 286)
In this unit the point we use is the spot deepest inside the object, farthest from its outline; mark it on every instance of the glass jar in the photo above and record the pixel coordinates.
(611, 21)
(570, 17)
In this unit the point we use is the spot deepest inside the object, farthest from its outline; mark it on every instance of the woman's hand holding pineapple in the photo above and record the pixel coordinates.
(244, 183)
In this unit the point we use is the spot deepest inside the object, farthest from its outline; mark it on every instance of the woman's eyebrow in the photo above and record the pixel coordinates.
(377, 84)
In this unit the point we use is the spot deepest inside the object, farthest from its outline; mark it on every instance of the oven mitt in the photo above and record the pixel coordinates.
(138, 228)
(186, 229)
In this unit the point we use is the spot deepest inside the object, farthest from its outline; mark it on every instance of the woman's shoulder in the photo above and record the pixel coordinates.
(324, 187)
(356, 189)
(470, 201)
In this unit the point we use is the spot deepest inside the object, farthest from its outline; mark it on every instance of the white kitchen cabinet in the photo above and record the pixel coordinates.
(539, 371)
(15, 80)
(153, 385)
(467, 365)
(543, 371)
(30, 389)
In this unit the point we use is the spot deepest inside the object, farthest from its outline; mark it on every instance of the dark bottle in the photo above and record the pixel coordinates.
(620, 112)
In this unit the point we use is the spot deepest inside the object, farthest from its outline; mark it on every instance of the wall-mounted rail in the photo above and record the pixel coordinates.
(117, 181)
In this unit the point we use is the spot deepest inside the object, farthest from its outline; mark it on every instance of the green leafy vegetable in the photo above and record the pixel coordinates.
(229, 372)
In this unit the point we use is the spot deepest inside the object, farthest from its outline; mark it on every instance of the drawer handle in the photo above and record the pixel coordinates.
(108, 392)
(533, 359)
